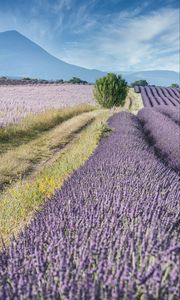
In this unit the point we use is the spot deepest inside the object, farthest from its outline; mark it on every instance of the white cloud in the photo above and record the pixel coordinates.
(139, 42)
(126, 40)
(62, 4)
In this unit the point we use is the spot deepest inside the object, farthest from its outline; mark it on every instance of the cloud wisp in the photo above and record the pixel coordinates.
(137, 43)
(88, 34)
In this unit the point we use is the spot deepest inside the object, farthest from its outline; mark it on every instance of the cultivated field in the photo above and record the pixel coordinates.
(155, 96)
(89, 205)
(18, 101)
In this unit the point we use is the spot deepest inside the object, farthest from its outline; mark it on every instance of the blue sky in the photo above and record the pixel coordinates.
(110, 35)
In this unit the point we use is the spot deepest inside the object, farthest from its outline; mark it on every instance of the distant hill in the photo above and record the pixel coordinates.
(159, 77)
(20, 57)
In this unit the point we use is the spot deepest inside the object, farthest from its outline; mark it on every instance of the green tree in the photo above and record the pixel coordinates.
(110, 90)
(77, 80)
(26, 78)
(59, 81)
(141, 82)
(174, 85)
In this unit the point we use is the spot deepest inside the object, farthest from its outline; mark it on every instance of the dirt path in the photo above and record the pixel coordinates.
(56, 152)
(29, 159)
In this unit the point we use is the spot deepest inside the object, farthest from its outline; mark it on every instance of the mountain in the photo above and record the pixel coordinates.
(20, 57)
(157, 77)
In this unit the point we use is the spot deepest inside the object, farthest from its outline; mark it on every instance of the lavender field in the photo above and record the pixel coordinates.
(111, 232)
(18, 101)
(89, 150)
(155, 96)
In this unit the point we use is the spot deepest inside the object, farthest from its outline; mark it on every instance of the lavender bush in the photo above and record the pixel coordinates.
(170, 112)
(111, 232)
(18, 101)
(163, 133)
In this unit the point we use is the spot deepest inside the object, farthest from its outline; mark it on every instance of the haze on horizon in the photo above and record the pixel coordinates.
(111, 36)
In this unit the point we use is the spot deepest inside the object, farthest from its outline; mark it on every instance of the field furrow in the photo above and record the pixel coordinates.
(154, 96)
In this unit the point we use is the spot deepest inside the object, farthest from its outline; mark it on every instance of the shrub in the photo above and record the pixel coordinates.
(110, 90)
(175, 85)
(139, 82)
(26, 78)
(77, 80)
(59, 81)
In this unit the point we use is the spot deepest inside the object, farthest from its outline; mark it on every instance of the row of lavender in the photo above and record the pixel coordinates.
(155, 96)
(161, 126)
(111, 232)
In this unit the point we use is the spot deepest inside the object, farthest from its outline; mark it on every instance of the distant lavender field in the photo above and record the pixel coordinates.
(18, 101)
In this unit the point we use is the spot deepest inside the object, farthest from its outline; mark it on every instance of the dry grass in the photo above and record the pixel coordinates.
(137, 103)
(34, 125)
(19, 203)
(133, 102)
(21, 161)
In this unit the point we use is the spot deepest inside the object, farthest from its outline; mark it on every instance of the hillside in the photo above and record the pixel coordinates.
(156, 77)
(20, 57)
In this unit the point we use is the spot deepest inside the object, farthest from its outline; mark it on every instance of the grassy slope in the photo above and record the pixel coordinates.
(21, 201)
